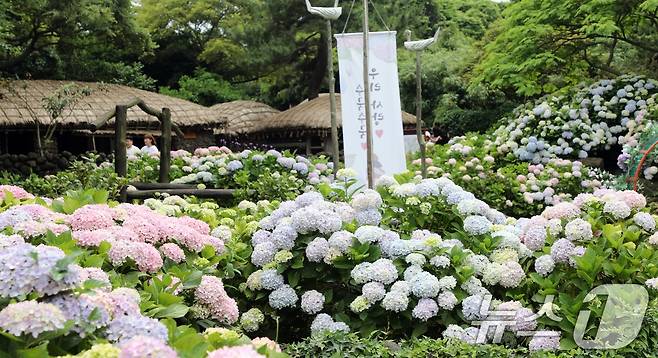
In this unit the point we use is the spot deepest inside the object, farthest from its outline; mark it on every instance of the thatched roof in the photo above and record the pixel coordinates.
(15, 109)
(314, 115)
(244, 117)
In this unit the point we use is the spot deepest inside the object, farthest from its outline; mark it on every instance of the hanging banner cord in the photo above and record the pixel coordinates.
(349, 15)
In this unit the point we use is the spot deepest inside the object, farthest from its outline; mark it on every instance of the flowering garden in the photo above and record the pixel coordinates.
(305, 264)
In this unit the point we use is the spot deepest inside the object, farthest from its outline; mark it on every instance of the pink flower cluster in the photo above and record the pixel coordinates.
(245, 351)
(211, 294)
(135, 232)
(16, 192)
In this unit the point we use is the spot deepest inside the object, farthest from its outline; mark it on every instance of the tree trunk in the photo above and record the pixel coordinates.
(320, 71)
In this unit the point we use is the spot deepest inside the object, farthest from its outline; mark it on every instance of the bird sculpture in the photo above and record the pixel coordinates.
(420, 45)
(328, 13)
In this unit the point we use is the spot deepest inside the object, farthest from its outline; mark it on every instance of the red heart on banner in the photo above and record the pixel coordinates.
(379, 133)
(364, 146)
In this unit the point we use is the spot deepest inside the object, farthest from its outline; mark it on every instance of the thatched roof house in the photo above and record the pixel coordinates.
(22, 105)
(313, 117)
(243, 117)
(307, 126)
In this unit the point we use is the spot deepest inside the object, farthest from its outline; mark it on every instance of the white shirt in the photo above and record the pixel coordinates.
(133, 151)
(152, 150)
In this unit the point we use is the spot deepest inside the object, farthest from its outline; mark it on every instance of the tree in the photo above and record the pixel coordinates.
(450, 104)
(205, 88)
(73, 39)
(540, 46)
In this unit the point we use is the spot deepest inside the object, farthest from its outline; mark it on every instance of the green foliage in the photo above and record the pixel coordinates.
(339, 344)
(541, 46)
(78, 39)
(131, 75)
(204, 88)
(449, 104)
(82, 174)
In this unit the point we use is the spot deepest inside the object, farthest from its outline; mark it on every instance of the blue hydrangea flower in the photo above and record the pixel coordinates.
(234, 165)
(425, 285)
(25, 269)
(425, 309)
(312, 302)
(284, 296)
(317, 249)
(477, 225)
(270, 279)
(125, 327)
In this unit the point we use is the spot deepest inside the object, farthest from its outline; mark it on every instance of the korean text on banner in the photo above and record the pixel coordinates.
(387, 135)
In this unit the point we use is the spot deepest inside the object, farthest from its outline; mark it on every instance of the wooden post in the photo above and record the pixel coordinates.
(39, 145)
(308, 145)
(120, 156)
(419, 115)
(165, 153)
(332, 99)
(366, 85)
(93, 142)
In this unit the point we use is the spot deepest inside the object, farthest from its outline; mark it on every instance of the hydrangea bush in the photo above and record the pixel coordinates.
(574, 125)
(257, 175)
(115, 273)
(639, 139)
(517, 189)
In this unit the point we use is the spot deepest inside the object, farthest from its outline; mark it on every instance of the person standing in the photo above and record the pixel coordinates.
(149, 147)
(131, 150)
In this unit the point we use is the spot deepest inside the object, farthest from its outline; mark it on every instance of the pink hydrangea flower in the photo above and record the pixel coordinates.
(264, 341)
(187, 237)
(16, 192)
(94, 273)
(561, 211)
(144, 228)
(121, 233)
(173, 252)
(90, 217)
(91, 238)
(216, 243)
(245, 351)
(142, 346)
(211, 294)
(195, 224)
(146, 256)
(201, 152)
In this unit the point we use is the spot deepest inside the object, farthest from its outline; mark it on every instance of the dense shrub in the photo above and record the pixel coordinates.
(584, 121)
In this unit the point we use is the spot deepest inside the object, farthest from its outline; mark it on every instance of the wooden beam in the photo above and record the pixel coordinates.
(199, 193)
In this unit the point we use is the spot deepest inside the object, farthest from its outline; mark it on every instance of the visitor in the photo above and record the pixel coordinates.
(149, 147)
(131, 150)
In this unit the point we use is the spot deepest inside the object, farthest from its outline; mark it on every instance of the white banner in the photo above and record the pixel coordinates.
(388, 143)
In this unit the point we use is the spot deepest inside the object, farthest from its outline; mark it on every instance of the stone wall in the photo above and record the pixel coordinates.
(195, 139)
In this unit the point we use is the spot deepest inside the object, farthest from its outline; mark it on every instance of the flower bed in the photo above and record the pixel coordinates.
(575, 125)
(411, 258)
(517, 189)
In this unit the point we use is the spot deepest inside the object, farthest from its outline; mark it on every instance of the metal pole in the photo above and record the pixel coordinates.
(366, 85)
(332, 99)
(419, 115)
